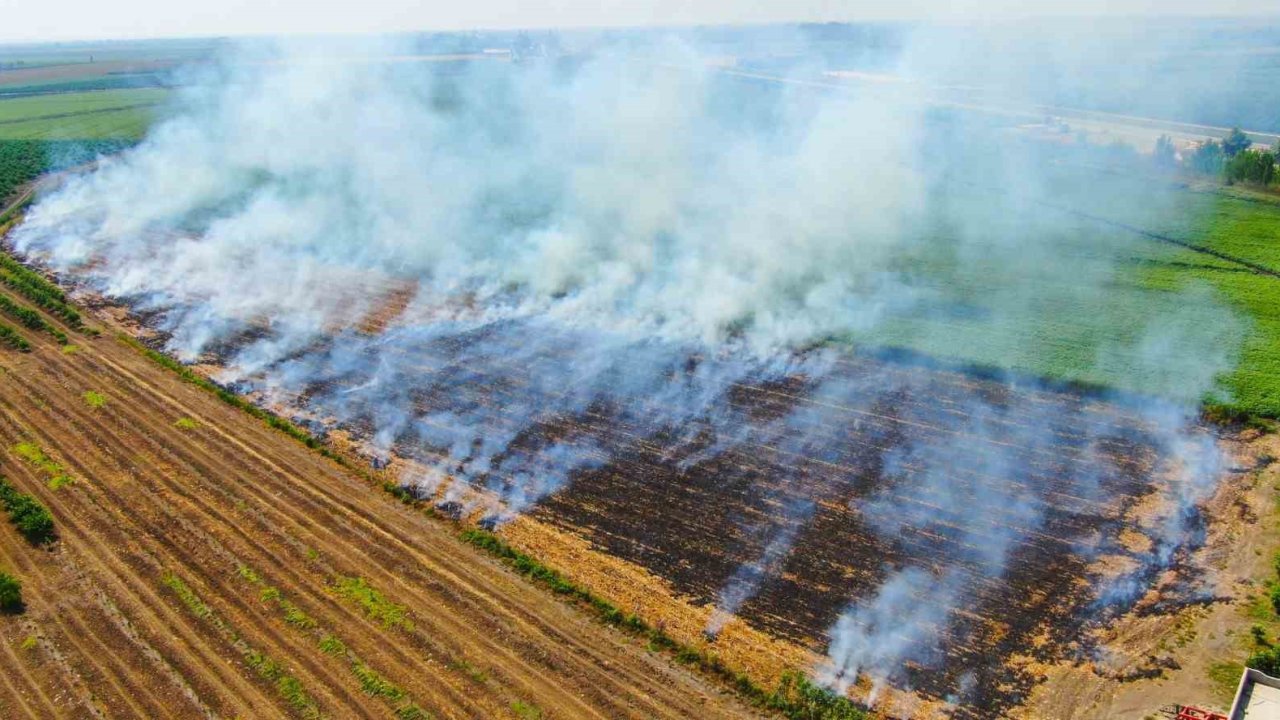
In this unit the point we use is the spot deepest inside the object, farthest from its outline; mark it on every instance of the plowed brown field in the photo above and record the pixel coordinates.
(230, 508)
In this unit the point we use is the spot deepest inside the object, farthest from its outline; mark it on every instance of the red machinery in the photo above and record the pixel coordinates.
(1191, 712)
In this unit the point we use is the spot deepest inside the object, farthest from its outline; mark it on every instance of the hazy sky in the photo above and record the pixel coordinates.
(90, 19)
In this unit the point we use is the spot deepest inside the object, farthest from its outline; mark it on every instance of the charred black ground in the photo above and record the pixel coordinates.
(698, 502)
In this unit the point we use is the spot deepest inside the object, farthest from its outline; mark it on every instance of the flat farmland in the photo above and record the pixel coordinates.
(814, 465)
(1035, 512)
(1000, 495)
(80, 115)
(208, 566)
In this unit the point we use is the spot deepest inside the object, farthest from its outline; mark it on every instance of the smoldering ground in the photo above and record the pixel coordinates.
(631, 265)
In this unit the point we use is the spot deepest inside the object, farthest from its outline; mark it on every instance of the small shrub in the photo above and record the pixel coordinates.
(1267, 660)
(470, 671)
(187, 596)
(331, 645)
(13, 339)
(28, 643)
(525, 711)
(358, 590)
(248, 573)
(412, 712)
(93, 399)
(32, 520)
(185, 423)
(10, 593)
(374, 684)
(290, 688)
(1260, 635)
(27, 514)
(295, 616)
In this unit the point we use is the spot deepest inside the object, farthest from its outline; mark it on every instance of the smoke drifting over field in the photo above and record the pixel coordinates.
(637, 239)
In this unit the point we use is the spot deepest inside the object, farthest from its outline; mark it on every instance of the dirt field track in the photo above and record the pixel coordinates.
(192, 558)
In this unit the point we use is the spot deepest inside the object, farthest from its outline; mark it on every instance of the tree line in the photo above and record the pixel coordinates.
(1233, 159)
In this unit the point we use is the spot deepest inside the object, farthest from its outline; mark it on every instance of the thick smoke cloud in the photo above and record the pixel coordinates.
(634, 237)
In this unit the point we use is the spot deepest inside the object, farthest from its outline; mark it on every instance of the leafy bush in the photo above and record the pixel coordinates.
(10, 337)
(10, 593)
(1260, 635)
(93, 399)
(30, 318)
(1207, 159)
(1251, 166)
(1267, 660)
(1235, 142)
(27, 514)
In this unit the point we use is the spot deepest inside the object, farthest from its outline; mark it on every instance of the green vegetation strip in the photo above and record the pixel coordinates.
(288, 687)
(36, 288)
(376, 606)
(371, 682)
(54, 473)
(30, 318)
(796, 697)
(23, 160)
(271, 419)
(26, 513)
(13, 339)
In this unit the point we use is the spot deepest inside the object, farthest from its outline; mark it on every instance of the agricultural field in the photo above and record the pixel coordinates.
(293, 468)
(1066, 334)
(806, 455)
(106, 114)
(1247, 227)
(205, 564)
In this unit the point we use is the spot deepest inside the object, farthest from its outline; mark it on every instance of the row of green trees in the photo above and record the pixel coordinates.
(1232, 158)
(23, 160)
(38, 289)
(30, 318)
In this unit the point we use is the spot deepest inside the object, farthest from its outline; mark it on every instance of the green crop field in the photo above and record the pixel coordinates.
(81, 116)
(1092, 301)
(1249, 229)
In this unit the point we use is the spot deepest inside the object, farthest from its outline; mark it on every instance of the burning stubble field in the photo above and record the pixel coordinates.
(934, 441)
